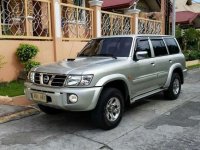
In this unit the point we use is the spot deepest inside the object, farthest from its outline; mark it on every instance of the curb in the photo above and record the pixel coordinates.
(19, 115)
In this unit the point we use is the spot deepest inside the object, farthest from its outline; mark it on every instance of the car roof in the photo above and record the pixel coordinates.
(136, 35)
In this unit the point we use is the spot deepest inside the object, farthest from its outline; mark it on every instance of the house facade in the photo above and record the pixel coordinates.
(61, 28)
(187, 14)
(187, 19)
(187, 5)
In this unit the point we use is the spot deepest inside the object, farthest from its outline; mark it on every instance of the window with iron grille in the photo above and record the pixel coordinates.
(25, 17)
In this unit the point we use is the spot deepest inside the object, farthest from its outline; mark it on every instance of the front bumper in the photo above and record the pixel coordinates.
(87, 97)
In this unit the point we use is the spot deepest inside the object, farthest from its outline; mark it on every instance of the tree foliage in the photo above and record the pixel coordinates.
(178, 32)
(189, 39)
(192, 37)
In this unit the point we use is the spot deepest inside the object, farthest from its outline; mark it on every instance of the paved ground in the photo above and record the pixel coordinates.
(6, 109)
(153, 124)
(16, 108)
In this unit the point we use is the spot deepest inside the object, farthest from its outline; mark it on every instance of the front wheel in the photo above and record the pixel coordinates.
(174, 89)
(108, 113)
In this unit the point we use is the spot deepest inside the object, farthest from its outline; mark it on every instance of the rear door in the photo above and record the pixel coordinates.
(174, 50)
(162, 60)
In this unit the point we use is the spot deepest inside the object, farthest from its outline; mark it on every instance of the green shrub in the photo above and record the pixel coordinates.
(188, 38)
(178, 32)
(26, 52)
(191, 38)
(192, 55)
(30, 64)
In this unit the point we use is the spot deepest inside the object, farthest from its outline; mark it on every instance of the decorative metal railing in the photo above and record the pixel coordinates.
(25, 19)
(31, 19)
(76, 22)
(115, 24)
(148, 26)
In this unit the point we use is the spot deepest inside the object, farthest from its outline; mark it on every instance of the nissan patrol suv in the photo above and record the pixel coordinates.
(109, 73)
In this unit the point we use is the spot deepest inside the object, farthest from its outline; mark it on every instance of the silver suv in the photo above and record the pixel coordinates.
(109, 73)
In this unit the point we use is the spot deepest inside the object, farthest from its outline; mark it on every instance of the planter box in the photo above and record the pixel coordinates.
(193, 62)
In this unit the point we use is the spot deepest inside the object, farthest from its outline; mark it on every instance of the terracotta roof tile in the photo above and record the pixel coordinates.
(109, 4)
(186, 16)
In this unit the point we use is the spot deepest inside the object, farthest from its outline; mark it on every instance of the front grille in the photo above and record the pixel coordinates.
(50, 79)
(37, 78)
(58, 80)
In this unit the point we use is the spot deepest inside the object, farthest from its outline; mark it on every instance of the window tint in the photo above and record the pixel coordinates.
(143, 45)
(172, 46)
(159, 47)
(118, 47)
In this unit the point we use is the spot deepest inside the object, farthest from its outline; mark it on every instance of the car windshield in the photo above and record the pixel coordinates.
(108, 47)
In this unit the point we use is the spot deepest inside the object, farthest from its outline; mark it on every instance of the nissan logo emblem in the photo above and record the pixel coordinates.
(46, 79)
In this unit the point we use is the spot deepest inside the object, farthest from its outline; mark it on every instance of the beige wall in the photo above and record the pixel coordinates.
(11, 69)
(69, 49)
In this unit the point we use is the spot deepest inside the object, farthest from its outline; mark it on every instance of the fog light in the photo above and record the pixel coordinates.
(73, 98)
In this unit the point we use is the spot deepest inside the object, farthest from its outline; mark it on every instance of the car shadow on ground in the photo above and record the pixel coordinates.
(71, 121)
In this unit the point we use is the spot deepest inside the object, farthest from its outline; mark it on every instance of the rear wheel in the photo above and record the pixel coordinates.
(108, 113)
(174, 89)
(49, 110)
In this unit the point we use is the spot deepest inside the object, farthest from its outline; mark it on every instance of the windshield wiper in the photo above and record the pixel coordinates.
(83, 55)
(107, 55)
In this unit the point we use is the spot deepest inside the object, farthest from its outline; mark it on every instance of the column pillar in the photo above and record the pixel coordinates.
(163, 13)
(96, 6)
(56, 27)
(29, 13)
(134, 22)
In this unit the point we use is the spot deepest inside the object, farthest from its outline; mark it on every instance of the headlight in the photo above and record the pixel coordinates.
(73, 80)
(31, 77)
(77, 80)
(86, 80)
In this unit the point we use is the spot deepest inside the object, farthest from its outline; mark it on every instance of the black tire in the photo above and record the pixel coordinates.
(171, 93)
(49, 110)
(100, 114)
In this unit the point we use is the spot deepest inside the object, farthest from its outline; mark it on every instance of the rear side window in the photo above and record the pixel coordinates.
(143, 45)
(159, 47)
(172, 46)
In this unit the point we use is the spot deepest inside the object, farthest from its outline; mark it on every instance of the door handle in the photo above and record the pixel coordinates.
(153, 64)
(170, 61)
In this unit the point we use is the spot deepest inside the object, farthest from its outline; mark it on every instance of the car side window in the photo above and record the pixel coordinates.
(143, 45)
(172, 46)
(159, 47)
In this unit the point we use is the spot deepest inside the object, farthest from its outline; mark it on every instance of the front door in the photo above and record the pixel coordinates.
(143, 71)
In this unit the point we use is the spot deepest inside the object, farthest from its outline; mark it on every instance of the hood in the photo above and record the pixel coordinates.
(78, 66)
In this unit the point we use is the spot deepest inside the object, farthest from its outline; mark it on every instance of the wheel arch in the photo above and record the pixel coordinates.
(176, 68)
(180, 72)
(117, 81)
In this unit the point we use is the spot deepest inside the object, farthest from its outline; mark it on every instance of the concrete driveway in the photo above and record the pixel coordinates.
(154, 123)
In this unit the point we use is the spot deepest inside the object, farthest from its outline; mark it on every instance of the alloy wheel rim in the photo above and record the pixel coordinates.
(113, 109)
(176, 86)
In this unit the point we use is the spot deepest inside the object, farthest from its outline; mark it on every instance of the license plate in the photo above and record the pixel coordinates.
(39, 97)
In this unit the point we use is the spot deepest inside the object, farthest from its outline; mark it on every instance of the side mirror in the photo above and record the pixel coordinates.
(141, 55)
